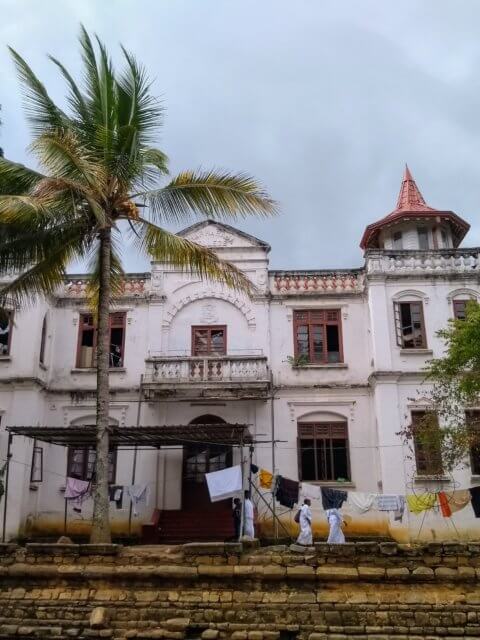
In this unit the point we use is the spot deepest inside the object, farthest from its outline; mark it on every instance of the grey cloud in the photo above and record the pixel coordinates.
(323, 101)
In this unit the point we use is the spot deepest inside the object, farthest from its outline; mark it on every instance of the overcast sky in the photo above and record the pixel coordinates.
(322, 100)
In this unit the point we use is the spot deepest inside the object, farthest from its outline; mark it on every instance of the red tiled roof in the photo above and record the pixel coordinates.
(411, 204)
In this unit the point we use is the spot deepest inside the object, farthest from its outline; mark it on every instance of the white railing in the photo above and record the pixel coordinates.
(164, 370)
(440, 261)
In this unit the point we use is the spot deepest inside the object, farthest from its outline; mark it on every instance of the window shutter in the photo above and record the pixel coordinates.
(306, 430)
(398, 323)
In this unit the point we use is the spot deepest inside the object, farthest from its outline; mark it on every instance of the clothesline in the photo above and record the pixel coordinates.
(287, 492)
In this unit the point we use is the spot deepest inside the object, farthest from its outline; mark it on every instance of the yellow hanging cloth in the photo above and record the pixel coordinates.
(266, 479)
(422, 502)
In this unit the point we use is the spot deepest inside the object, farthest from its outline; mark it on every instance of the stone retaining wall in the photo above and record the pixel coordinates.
(364, 591)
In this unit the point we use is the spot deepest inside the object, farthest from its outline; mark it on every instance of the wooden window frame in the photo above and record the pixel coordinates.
(85, 457)
(397, 319)
(210, 328)
(420, 230)
(10, 314)
(399, 237)
(36, 477)
(421, 459)
(43, 341)
(323, 431)
(112, 324)
(323, 322)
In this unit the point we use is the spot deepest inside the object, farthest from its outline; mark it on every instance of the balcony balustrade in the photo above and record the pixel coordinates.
(433, 262)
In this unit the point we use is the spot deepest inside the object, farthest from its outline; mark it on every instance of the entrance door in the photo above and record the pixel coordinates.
(199, 459)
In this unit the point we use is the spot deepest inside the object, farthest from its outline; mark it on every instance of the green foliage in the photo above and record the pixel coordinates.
(298, 361)
(455, 380)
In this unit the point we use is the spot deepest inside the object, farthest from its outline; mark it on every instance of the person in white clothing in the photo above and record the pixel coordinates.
(335, 521)
(248, 526)
(305, 536)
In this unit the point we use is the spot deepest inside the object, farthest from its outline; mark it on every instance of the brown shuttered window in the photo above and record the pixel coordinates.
(209, 340)
(323, 451)
(410, 325)
(428, 456)
(318, 335)
(81, 463)
(87, 340)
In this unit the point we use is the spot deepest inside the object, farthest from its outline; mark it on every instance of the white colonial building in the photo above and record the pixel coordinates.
(319, 369)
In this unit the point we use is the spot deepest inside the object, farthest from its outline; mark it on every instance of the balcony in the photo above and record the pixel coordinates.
(239, 376)
(438, 262)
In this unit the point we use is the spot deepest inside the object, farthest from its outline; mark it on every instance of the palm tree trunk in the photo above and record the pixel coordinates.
(100, 533)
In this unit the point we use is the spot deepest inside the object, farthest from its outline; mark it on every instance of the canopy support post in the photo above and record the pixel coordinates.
(7, 474)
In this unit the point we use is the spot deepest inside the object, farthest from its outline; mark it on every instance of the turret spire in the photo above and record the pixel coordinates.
(410, 198)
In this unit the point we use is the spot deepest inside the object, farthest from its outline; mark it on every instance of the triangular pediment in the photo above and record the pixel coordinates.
(218, 235)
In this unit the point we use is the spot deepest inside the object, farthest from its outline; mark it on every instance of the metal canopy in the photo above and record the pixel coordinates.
(161, 436)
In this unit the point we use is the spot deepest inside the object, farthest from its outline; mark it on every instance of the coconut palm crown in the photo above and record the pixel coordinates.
(101, 179)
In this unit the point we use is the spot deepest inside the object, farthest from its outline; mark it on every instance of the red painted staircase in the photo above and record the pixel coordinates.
(178, 527)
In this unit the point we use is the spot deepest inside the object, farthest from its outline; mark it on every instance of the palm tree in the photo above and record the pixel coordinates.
(98, 174)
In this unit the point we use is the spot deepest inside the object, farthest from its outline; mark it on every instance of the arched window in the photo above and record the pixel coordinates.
(43, 340)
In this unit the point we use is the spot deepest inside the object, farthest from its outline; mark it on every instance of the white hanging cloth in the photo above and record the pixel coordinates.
(223, 484)
(361, 502)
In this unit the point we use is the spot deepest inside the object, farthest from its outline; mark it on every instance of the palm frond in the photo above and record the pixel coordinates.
(163, 246)
(42, 112)
(140, 109)
(156, 159)
(65, 157)
(208, 194)
(44, 277)
(16, 179)
(75, 98)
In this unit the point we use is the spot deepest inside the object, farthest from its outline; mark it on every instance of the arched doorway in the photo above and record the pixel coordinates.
(199, 459)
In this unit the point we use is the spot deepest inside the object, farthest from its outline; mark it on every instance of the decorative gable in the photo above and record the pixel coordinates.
(218, 235)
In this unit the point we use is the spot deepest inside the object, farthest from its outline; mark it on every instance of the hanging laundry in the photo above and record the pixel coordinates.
(444, 505)
(265, 479)
(421, 502)
(115, 494)
(335, 521)
(77, 491)
(226, 483)
(254, 468)
(391, 502)
(332, 498)
(139, 494)
(286, 492)
(361, 502)
(458, 500)
(475, 497)
(312, 491)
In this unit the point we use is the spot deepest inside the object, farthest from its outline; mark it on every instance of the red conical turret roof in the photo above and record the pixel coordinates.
(411, 204)
(410, 198)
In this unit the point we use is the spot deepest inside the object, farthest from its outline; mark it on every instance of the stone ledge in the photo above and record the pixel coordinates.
(212, 548)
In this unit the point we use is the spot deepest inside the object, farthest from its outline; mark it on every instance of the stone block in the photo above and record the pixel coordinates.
(273, 572)
(26, 631)
(239, 635)
(255, 635)
(175, 571)
(176, 624)
(318, 636)
(371, 573)
(445, 573)
(389, 548)
(398, 573)
(215, 571)
(423, 574)
(211, 548)
(210, 634)
(466, 573)
(98, 617)
(299, 548)
(301, 572)
(302, 598)
(99, 549)
(333, 573)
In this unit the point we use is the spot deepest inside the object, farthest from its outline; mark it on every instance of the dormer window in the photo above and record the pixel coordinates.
(444, 235)
(423, 243)
(397, 240)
